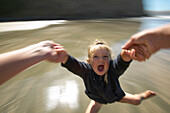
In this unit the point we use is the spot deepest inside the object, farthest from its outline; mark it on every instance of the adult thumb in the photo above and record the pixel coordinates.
(128, 44)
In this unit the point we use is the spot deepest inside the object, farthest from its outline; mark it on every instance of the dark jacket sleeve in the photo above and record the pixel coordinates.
(76, 67)
(120, 65)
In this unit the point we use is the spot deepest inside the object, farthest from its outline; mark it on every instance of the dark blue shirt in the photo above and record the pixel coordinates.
(96, 87)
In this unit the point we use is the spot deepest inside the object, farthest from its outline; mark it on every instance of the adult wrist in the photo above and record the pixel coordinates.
(153, 38)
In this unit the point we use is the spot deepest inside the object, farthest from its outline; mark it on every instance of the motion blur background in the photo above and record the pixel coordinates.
(49, 88)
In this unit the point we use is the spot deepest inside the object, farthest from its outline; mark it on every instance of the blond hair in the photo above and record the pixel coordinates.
(99, 42)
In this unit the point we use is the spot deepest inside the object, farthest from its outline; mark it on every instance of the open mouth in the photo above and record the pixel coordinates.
(100, 68)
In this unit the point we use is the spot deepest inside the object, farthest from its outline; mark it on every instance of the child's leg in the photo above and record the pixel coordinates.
(93, 107)
(136, 99)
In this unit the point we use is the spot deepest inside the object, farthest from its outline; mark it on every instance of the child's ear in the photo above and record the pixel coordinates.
(88, 60)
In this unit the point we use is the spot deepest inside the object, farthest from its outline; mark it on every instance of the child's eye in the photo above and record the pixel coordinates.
(95, 56)
(106, 56)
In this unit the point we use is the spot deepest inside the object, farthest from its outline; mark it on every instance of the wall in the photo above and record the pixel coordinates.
(68, 9)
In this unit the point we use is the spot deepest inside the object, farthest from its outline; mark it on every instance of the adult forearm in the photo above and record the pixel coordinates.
(12, 63)
(163, 36)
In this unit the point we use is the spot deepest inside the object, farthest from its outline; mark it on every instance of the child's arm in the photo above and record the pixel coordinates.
(73, 65)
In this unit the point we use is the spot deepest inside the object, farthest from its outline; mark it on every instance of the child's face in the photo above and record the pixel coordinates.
(99, 59)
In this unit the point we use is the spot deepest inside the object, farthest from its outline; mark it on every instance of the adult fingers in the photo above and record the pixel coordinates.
(137, 38)
(58, 47)
(135, 55)
(128, 44)
(144, 51)
(49, 43)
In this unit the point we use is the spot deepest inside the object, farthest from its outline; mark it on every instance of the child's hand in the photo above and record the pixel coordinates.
(137, 52)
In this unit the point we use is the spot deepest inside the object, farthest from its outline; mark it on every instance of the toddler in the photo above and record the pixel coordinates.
(101, 75)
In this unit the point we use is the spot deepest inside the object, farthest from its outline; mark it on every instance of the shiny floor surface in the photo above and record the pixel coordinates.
(49, 88)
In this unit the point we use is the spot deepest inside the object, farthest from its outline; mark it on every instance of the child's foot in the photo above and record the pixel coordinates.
(141, 96)
(147, 94)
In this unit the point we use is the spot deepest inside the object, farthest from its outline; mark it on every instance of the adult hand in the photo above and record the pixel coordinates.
(48, 49)
(145, 39)
(154, 39)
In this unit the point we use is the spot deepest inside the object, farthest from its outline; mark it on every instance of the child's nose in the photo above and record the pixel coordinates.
(101, 59)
